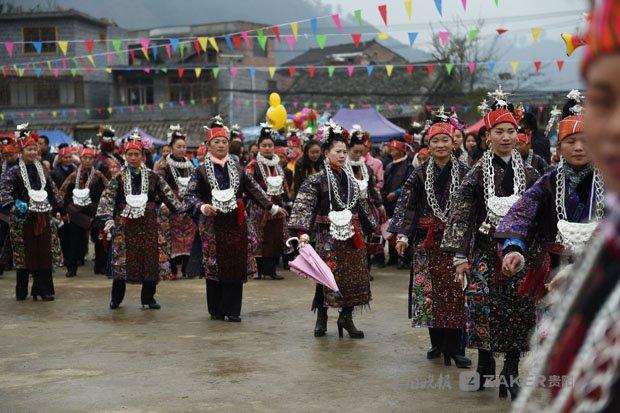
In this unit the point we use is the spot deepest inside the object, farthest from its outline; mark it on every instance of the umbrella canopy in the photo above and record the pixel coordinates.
(379, 128)
(309, 265)
(148, 138)
(56, 136)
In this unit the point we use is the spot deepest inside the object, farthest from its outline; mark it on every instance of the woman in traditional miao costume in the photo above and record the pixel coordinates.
(28, 195)
(436, 301)
(10, 157)
(271, 232)
(498, 319)
(214, 194)
(365, 178)
(560, 211)
(579, 355)
(328, 204)
(81, 192)
(128, 209)
(180, 229)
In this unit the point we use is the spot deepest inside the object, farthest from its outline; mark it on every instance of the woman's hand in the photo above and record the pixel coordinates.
(391, 196)
(109, 224)
(512, 263)
(401, 248)
(281, 213)
(303, 240)
(460, 271)
(208, 210)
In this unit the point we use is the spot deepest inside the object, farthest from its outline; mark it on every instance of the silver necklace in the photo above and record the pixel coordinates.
(429, 186)
(38, 197)
(181, 181)
(81, 197)
(361, 183)
(530, 156)
(340, 221)
(184, 164)
(498, 206)
(136, 204)
(274, 183)
(224, 200)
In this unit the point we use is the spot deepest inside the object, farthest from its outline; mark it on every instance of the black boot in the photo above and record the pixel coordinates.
(71, 272)
(509, 375)
(433, 353)
(345, 321)
(321, 322)
(486, 367)
(461, 362)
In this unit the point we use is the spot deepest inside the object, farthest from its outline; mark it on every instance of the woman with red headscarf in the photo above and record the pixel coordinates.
(498, 320)
(214, 194)
(10, 155)
(128, 209)
(580, 343)
(28, 195)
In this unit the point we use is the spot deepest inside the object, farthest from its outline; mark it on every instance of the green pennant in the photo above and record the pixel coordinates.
(449, 67)
(315, 105)
(262, 39)
(192, 102)
(32, 114)
(73, 71)
(182, 49)
(320, 40)
(246, 102)
(116, 44)
(497, 3)
(306, 104)
(141, 107)
(330, 70)
(87, 111)
(216, 71)
(358, 17)
(472, 34)
(164, 70)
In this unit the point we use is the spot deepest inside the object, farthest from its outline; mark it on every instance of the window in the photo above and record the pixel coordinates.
(187, 89)
(46, 35)
(40, 92)
(48, 93)
(136, 91)
(272, 86)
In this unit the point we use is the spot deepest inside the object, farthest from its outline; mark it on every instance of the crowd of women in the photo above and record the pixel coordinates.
(506, 249)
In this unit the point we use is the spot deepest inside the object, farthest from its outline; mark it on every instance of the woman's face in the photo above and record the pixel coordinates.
(356, 152)
(602, 118)
(314, 153)
(133, 157)
(218, 147)
(458, 139)
(179, 148)
(440, 146)
(254, 149)
(470, 142)
(265, 147)
(503, 138)
(87, 161)
(337, 154)
(30, 153)
(573, 149)
(165, 150)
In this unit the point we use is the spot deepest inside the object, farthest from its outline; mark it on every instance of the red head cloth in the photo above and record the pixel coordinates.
(8, 144)
(603, 32)
(202, 150)
(31, 139)
(495, 117)
(133, 144)
(570, 125)
(398, 145)
(525, 137)
(441, 128)
(423, 151)
(216, 132)
(67, 150)
(88, 151)
(282, 152)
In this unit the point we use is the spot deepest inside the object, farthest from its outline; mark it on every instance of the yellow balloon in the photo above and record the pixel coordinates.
(274, 99)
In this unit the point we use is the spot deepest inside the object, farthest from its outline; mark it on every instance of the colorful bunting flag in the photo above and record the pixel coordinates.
(276, 32)
(388, 69)
(438, 7)
(197, 71)
(246, 39)
(358, 17)
(290, 41)
(272, 71)
(234, 71)
(89, 44)
(356, 38)
(383, 36)
(295, 29)
(471, 66)
(229, 43)
(560, 64)
(314, 25)
(320, 40)
(449, 67)
(237, 41)
(9, 48)
(202, 41)
(336, 19)
(330, 70)
(215, 71)
(537, 65)
(430, 67)
(473, 34)
(38, 46)
(311, 71)
(408, 8)
(262, 39)
(514, 65)
(501, 31)
(370, 69)
(383, 13)
(412, 37)
(350, 70)
(536, 31)
(180, 71)
(491, 66)
(443, 37)
(464, 3)
(409, 69)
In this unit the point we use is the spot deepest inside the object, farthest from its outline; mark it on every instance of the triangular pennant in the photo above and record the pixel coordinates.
(388, 69)
(73, 71)
(38, 71)
(154, 52)
(229, 43)
(168, 49)
(56, 72)
(336, 19)
(237, 41)
(412, 37)
(290, 41)
(276, 32)
(370, 69)
(89, 44)
(9, 48)
(352, 105)
(311, 71)
(272, 71)
(63, 45)
(536, 32)
(350, 70)
(295, 29)
(537, 65)
(560, 64)
(109, 109)
(514, 65)
(443, 37)
(197, 46)
(161, 105)
(358, 17)
(180, 71)
(501, 31)
(438, 7)
(202, 41)
(320, 40)
(409, 69)
(314, 25)
(449, 67)
(430, 67)
(109, 59)
(383, 36)
(38, 46)
(471, 66)
(91, 59)
(491, 66)
(473, 34)
(408, 8)
(145, 47)
(497, 2)
(291, 71)
(182, 49)
(233, 71)
(464, 3)
(246, 39)
(215, 71)
(252, 71)
(197, 71)
(108, 70)
(262, 39)
(356, 38)
(330, 70)
(383, 12)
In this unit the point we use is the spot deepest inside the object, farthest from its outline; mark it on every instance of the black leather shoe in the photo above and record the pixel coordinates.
(233, 318)
(276, 277)
(433, 353)
(217, 317)
(49, 297)
(114, 305)
(71, 273)
(460, 361)
(152, 306)
(20, 298)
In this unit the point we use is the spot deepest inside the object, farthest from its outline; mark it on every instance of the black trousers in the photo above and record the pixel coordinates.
(147, 295)
(224, 298)
(446, 339)
(100, 252)
(182, 261)
(73, 242)
(42, 283)
(267, 265)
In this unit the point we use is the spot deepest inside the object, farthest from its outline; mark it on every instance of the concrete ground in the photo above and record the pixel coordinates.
(74, 354)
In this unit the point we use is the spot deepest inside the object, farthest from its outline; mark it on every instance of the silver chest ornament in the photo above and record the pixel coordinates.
(81, 197)
(362, 184)
(136, 203)
(224, 200)
(38, 197)
(340, 224)
(575, 235)
(182, 182)
(274, 184)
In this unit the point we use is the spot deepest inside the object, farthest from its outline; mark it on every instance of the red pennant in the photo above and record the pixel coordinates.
(197, 46)
(180, 71)
(168, 50)
(88, 69)
(537, 64)
(383, 12)
(501, 31)
(409, 69)
(276, 32)
(89, 44)
(237, 41)
(560, 64)
(430, 67)
(149, 107)
(356, 38)
(291, 71)
(311, 71)
(132, 55)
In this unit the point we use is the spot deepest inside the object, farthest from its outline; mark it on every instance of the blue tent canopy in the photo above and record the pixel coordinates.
(56, 137)
(379, 128)
(147, 137)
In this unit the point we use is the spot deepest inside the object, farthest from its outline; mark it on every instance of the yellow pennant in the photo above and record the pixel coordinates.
(515, 65)
(272, 71)
(54, 113)
(110, 110)
(388, 69)
(213, 44)
(49, 65)
(408, 8)
(352, 105)
(108, 70)
(2, 116)
(203, 43)
(20, 72)
(161, 106)
(295, 29)
(536, 32)
(63, 45)
(198, 71)
(214, 99)
(91, 59)
(383, 36)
